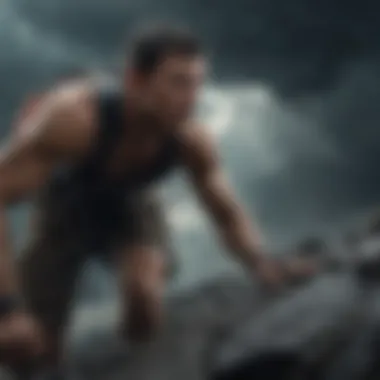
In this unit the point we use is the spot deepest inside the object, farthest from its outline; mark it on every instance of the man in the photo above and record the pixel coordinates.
(91, 154)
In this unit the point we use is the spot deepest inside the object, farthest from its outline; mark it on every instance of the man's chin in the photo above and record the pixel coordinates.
(172, 123)
(180, 119)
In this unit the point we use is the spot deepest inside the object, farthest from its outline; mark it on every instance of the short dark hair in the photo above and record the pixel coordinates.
(151, 45)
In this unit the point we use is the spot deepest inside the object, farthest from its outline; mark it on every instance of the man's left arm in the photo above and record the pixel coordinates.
(203, 164)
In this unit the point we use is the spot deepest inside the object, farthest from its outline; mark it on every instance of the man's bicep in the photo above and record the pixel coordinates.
(27, 158)
(212, 187)
(23, 169)
(208, 178)
(216, 194)
(54, 132)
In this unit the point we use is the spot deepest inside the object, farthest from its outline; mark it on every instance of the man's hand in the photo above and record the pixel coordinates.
(297, 269)
(270, 273)
(278, 273)
(21, 338)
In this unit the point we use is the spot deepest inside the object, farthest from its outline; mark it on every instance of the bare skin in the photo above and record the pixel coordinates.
(63, 129)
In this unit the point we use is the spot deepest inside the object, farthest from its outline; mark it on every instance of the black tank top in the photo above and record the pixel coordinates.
(111, 122)
(84, 195)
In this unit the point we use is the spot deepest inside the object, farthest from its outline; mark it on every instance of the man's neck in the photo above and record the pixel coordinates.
(135, 116)
(138, 120)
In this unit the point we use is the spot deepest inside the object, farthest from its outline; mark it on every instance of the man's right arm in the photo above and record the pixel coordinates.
(51, 134)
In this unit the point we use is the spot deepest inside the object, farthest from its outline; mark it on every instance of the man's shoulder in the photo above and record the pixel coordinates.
(64, 119)
(195, 134)
(196, 141)
(74, 99)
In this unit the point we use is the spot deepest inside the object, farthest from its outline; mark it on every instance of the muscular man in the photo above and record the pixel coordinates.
(90, 155)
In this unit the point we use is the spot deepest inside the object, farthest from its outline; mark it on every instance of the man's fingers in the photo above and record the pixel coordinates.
(300, 269)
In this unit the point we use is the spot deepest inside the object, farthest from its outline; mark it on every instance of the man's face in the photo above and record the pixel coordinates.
(170, 93)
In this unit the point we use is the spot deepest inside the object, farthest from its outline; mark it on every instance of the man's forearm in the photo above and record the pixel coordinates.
(244, 242)
(8, 278)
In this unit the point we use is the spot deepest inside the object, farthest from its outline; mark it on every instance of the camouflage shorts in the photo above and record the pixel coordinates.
(59, 247)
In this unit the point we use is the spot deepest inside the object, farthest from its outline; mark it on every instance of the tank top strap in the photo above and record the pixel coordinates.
(111, 120)
(110, 115)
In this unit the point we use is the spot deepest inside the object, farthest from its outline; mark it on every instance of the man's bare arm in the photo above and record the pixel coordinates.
(51, 134)
(211, 185)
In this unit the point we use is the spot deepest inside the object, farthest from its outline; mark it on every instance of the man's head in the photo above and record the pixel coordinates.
(166, 69)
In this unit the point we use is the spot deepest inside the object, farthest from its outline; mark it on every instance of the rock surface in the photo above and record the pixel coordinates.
(227, 328)
(325, 329)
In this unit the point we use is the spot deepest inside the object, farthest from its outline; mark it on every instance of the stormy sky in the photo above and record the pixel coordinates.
(293, 98)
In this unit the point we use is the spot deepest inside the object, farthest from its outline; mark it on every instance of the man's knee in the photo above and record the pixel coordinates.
(48, 279)
(142, 296)
(143, 315)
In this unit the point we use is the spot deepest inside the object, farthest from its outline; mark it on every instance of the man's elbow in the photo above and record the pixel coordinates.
(230, 228)
(235, 229)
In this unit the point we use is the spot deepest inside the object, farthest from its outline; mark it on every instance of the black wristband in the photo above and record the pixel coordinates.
(8, 304)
